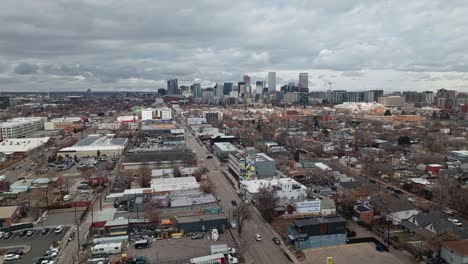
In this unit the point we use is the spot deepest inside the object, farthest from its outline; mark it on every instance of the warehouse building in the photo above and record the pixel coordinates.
(91, 145)
(21, 147)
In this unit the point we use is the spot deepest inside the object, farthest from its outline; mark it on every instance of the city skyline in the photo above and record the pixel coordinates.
(357, 45)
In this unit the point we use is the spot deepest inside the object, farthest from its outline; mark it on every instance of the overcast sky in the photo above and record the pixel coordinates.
(49, 45)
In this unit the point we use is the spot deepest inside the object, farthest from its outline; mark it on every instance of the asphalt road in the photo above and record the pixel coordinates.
(255, 252)
(39, 244)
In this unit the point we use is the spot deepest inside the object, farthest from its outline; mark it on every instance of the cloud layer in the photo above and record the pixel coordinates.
(137, 44)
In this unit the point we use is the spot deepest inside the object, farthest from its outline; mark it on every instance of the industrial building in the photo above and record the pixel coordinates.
(21, 147)
(169, 185)
(160, 159)
(223, 149)
(317, 232)
(91, 145)
(392, 101)
(68, 124)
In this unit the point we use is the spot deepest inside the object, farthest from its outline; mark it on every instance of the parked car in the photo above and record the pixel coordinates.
(455, 221)
(72, 236)
(209, 157)
(45, 231)
(449, 212)
(390, 188)
(372, 181)
(7, 235)
(234, 203)
(11, 257)
(59, 229)
(15, 252)
(2, 234)
(197, 236)
(276, 241)
(258, 237)
(350, 233)
(22, 233)
(30, 232)
(398, 191)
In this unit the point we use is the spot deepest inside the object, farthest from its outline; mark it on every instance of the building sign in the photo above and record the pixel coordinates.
(308, 207)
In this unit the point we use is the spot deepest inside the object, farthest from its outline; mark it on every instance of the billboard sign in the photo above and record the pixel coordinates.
(308, 207)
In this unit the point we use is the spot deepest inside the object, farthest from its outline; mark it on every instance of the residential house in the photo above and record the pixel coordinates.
(455, 252)
(400, 216)
(363, 213)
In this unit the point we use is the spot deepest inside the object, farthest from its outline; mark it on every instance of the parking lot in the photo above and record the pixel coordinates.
(38, 243)
(178, 249)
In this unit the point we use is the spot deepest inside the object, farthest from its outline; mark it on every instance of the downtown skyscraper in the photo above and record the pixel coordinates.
(271, 81)
(303, 80)
(172, 86)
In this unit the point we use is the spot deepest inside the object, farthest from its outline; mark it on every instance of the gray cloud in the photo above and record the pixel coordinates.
(141, 43)
(26, 68)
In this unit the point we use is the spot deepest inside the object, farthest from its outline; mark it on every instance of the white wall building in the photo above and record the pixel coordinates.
(164, 113)
(287, 190)
(21, 126)
(147, 114)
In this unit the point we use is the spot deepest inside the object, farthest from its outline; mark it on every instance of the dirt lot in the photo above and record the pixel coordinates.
(175, 250)
(354, 253)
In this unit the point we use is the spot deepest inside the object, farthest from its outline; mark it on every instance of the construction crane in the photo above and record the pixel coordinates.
(330, 84)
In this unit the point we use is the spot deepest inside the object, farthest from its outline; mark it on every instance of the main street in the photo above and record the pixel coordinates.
(255, 252)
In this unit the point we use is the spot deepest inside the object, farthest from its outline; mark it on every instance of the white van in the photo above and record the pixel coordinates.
(111, 248)
(67, 198)
(2, 177)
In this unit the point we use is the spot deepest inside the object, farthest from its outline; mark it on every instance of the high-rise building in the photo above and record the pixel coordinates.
(196, 90)
(303, 80)
(247, 79)
(259, 87)
(337, 96)
(271, 81)
(218, 90)
(227, 88)
(172, 86)
(4, 102)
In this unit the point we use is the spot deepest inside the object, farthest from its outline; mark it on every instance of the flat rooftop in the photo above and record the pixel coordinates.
(97, 142)
(225, 146)
(262, 157)
(160, 155)
(174, 184)
(12, 145)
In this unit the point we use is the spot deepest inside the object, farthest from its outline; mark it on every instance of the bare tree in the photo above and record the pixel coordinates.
(177, 172)
(380, 201)
(369, 167)
(266, 199)
(145, 175)
(151, 212)
(436, 241)
(205, 186)
(241, 213)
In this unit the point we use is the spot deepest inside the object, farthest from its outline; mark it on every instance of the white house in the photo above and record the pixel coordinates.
(398, 217)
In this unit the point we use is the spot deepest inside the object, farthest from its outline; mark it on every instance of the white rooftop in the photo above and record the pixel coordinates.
(174, 184)
(225, 146)
(12, 145)
(97, 142)
(253, 185)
